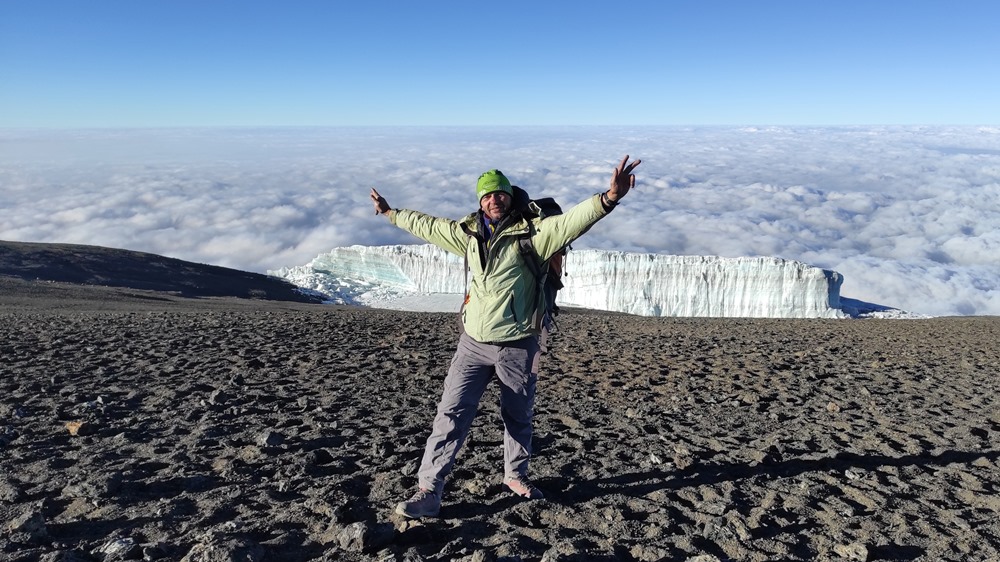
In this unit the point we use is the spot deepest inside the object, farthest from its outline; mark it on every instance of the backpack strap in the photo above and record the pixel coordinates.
(465, 297)
(465, 255)
(526, 248)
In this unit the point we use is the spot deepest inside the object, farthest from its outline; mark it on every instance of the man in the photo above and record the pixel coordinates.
(500, 339)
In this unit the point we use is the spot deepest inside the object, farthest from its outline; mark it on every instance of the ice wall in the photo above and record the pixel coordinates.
(701, 286)
(362, 274)
(645, 284)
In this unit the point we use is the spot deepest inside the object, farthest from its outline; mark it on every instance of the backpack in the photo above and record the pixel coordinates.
(548, 273)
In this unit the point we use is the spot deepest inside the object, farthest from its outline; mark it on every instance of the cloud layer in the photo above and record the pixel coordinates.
(909, 215)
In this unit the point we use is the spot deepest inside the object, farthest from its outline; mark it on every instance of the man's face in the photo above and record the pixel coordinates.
(495, 205)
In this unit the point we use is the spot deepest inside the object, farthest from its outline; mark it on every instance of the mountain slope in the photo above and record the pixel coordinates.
(111, 267)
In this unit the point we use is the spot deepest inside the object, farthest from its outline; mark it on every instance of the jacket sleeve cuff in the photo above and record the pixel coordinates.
(602, 208)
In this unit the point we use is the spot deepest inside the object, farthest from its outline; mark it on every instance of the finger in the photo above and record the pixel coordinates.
(632, 166)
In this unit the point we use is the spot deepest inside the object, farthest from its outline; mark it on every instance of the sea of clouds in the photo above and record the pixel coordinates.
(909, 215)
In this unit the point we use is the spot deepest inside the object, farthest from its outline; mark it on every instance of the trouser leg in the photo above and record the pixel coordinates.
(470, 371)
(517, 371)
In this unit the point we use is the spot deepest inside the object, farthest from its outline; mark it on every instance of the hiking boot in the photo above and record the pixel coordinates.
(523, 487)
(423, 504)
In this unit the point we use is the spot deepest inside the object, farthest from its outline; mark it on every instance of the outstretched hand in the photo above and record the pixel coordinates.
(622, 180)
(381, 205)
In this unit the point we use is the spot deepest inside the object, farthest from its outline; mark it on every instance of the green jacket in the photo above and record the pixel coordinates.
(503, 294)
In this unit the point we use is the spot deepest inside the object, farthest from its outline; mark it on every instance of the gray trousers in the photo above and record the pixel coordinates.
(515, 365)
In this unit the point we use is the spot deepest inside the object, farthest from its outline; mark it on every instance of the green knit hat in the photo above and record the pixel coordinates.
(491, 181)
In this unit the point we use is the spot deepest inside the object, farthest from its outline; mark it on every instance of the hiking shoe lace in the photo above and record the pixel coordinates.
(423, 504)
(523, 487)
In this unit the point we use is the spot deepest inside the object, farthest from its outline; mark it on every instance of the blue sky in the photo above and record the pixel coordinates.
(150, 63)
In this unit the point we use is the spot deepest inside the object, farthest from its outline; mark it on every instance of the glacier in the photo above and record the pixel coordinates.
(424, 277)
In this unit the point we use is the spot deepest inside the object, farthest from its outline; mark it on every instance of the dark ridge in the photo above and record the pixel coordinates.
(111, 267)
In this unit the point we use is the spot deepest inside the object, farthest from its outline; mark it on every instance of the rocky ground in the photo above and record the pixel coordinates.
(142, 425)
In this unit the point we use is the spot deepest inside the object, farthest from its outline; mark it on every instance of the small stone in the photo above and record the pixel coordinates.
(644, 553)
(561, 552)
(79, 428)
(96, 486)
(30, 523)
(771, 454)
(853, 551)
(739, 526)
(7, 436)
(411, 555)
(704, 558)
(712, 507)
(317, 457)
(409, 468)
(153, 552)
(366, 537)
(481, 556)
(381, 450)
(9, 492)
(217, 398)
(682, 462)
(476, 486)
(119, 549)
(214, 550)
(270, 439)
(833, 407)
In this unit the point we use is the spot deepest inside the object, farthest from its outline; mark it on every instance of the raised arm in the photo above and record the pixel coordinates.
(557, 231)
(444, 233)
